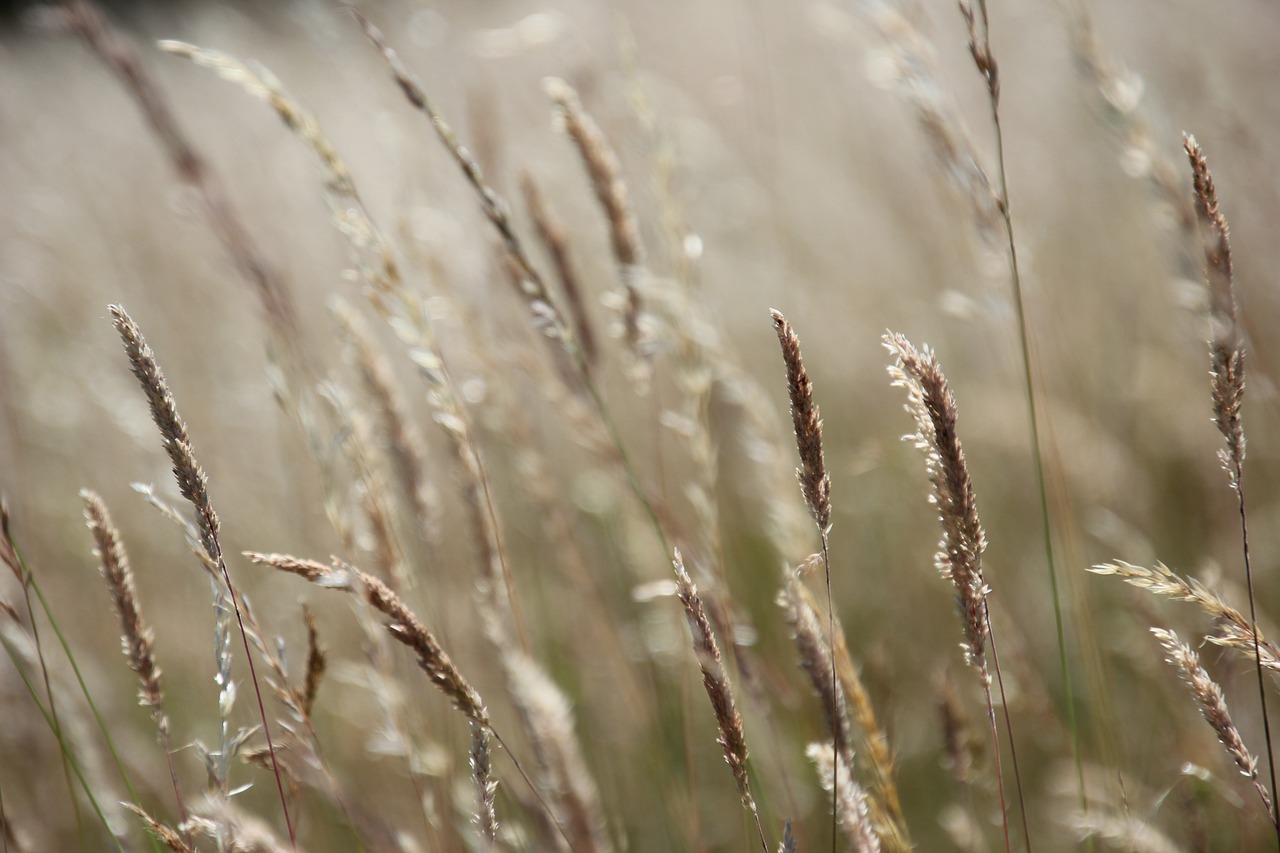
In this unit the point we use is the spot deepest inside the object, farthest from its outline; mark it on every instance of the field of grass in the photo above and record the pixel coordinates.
(487, 343)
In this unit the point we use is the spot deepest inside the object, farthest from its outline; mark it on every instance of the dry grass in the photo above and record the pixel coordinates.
(511, 415)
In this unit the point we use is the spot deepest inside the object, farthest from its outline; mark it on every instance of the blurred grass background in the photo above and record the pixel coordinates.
(810, 188)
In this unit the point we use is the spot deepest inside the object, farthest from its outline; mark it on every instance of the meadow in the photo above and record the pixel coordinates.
(481, 426)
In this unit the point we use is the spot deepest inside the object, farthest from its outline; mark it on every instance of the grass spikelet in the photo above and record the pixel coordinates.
(1233, 629)
(812, 474)
(164, 834)
(194, 487)
(719, 689)
(855, 819)
(1226, 342)
(406, 628)
(959, 558)
(480, 757)
(138, 639)
(855, 722)
(1213, 707)
(542, 306)
(311, 570)
(605, 172)
(555, 239)
(815, 485)
(815, 660)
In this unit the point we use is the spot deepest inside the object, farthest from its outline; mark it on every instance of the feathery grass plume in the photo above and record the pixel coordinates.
(605, 172)
(812, 474)
(1233, 629)
(138, 639)
(1213, 707)
(555, 239)
(1226, 341)
(541, 304)
(121, 57)
(304, 756)
(194, 487)
(79, 754)
(368, 493)
(815, 485)
(959, 557)
(1251, 643)
(311, 570)
(719, 689)
(1161, 580)
(164, 834)
(837, 776)
(480, 757)
(1227, 355)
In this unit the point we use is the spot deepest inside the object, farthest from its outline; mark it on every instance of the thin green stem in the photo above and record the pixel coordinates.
(31, 583)
(54, 722)
(67, 755)
(1033, 417)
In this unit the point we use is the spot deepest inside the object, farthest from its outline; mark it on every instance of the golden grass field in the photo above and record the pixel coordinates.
(407, 418)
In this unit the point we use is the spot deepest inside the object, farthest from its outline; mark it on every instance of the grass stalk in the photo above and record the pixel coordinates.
(193, 485)
(815, 485)
(979, 28)
(1227, 371)
(959, 557)
(12, 555)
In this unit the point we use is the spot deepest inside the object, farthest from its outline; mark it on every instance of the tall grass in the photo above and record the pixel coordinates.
(475, 356)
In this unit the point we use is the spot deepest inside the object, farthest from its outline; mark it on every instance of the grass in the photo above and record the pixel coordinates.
(474, 322)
